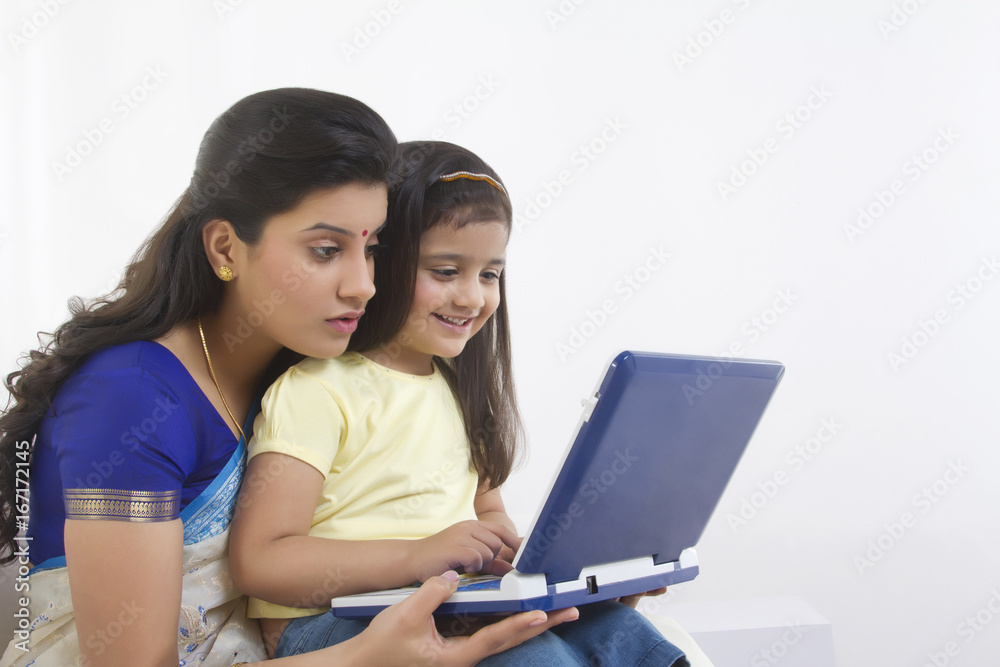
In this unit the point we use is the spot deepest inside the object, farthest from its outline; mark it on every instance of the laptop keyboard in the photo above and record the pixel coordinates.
(483, 583)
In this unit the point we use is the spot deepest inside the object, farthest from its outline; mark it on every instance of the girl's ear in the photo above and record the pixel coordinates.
(222, 247)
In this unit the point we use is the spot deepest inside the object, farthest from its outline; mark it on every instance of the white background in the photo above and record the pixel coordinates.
(687, 97)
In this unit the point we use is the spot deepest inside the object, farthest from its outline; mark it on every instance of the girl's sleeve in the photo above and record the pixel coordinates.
(124, 446)
(300, 417)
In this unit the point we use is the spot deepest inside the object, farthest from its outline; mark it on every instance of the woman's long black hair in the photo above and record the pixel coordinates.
(480, 376)
(258, 159)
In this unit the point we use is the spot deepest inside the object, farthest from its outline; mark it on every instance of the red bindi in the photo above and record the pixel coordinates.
(364, 233)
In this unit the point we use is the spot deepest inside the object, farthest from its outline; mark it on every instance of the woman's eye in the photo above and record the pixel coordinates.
(445, 273)
(491, 276)
(373, 250)
(325, 252)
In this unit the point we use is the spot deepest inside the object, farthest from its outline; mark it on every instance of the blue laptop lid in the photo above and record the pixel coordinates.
(649, 466)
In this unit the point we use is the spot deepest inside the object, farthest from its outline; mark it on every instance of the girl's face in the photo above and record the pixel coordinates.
(457, 291)
(306, 283)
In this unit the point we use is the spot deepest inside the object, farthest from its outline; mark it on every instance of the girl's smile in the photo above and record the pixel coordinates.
(460, 325)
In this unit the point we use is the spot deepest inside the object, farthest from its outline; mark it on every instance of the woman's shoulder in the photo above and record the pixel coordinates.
(128, 371)
(142, 354)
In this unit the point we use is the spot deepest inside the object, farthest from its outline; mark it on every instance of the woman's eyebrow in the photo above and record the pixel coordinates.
(339, 230)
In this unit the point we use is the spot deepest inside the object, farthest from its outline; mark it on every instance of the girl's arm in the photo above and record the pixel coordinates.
(489, 507)
(273, 557)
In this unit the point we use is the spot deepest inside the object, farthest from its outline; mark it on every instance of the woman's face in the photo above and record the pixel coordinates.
(306, 282)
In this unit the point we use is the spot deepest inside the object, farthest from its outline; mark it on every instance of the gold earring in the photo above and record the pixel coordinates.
(225, 273)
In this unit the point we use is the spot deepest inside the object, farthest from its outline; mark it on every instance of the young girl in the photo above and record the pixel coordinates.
(395, 451)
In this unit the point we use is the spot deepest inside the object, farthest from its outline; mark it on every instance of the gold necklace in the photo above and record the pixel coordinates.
(211, 370)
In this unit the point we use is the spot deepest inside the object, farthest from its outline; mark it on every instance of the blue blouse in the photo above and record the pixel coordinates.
(130, 437)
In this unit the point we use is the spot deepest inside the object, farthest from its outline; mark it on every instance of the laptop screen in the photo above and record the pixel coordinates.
(649, 466)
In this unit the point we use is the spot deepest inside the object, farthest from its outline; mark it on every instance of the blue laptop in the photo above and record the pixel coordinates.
(654, 450)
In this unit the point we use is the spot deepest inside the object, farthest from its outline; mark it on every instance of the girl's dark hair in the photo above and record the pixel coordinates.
(258, 159)
(480, 376)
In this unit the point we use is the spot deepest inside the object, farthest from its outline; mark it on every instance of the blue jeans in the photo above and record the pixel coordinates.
(607, 634)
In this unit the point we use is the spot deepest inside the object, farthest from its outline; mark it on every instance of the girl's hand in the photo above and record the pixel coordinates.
(633, 600)
(467, 546)
(405, 634)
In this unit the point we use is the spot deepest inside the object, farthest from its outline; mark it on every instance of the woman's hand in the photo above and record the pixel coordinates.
(467, 546)
(405, 634)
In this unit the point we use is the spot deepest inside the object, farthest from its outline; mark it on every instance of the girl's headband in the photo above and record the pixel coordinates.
(474, 177)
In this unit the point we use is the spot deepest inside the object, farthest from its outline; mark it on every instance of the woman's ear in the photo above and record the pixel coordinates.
(222, 247)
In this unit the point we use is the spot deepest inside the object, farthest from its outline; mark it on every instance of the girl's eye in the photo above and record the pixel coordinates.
(445, 273)
(325, 252)
(491, 276)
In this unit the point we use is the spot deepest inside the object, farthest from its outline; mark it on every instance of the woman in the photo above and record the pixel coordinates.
(140, 404)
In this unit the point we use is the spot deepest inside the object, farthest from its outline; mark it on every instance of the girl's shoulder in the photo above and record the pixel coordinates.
(325, 369)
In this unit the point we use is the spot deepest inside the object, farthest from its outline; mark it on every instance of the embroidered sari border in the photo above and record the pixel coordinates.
(122, 504)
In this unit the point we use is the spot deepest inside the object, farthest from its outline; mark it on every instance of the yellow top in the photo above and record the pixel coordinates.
(391, 447)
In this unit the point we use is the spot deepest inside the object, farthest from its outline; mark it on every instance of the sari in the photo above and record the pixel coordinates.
(213, 629)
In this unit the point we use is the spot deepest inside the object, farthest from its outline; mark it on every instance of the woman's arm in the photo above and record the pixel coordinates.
(126, 586)
(273, 557)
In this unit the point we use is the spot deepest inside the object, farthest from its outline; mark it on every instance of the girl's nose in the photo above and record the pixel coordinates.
(469, 294)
